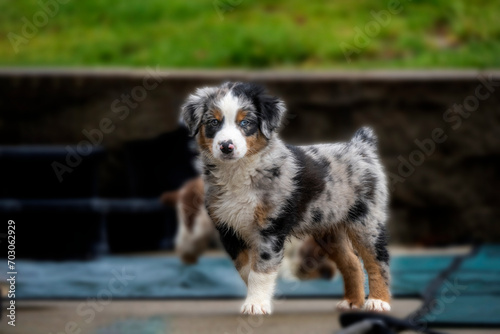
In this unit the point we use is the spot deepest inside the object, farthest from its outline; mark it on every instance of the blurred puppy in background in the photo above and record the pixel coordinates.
(195, 230)
(303, 259)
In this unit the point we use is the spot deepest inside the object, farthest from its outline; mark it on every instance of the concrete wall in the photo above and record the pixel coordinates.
(443, 191)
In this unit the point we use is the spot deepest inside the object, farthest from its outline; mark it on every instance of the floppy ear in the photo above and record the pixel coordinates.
(194, 107)
(272, 110)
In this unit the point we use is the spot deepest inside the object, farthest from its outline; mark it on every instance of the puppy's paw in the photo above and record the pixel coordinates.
(255, 308)
(346, 305)
(376, 305)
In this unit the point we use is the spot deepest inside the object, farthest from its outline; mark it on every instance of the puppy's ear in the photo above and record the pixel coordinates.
(272, 111)
(194, 107)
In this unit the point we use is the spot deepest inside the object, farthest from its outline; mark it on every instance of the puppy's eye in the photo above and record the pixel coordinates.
(244, 123)
(213, 122)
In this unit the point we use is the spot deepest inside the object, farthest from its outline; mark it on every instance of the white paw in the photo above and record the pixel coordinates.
(376, 305)
(346, 305)
(251, 307)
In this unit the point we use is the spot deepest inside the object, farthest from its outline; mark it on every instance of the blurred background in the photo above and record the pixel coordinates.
(245, 34)
(90, 140)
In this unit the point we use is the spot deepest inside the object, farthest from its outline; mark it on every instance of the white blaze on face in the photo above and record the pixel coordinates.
(229, 107)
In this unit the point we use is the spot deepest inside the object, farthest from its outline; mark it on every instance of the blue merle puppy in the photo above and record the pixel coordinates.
(259, 191)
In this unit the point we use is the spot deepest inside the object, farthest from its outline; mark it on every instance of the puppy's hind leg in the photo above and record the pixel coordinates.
(373, 251)
(339, 249)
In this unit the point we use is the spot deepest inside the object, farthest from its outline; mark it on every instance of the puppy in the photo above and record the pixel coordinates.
(195, 230)
(260, 191)
(303, 259)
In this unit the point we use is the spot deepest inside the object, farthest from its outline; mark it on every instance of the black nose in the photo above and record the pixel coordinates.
(227, 146)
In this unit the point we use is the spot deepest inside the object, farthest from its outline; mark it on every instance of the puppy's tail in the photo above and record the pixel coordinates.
(365, 137)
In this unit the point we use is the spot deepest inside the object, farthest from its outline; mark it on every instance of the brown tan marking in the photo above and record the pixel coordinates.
(342, 253)
(256, 143)
(192, 198)
(170, 198)
(217, 114)
(240, 116)
(203, 142)
(241, 264)
(241, 260)
(260, 214)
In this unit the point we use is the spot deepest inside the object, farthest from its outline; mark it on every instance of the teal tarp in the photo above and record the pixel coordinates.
(212, 277)
(468, 296)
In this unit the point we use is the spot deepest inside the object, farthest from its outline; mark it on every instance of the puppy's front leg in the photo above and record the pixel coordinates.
(257, 265)
(265, 260)
(237, 249)
(243, 265)
(260, 292)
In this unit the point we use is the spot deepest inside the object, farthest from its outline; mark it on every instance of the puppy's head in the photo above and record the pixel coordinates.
(234, 120)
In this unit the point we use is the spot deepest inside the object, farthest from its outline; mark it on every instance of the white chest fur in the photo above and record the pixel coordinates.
(235, 198)
(239, 187)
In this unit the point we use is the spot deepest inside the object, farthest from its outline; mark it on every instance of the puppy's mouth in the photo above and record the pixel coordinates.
(228, 157)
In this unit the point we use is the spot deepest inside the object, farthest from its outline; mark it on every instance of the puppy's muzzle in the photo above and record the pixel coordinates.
(227, 147)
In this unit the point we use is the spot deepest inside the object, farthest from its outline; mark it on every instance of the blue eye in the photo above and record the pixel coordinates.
(213, 122)
(244, 123)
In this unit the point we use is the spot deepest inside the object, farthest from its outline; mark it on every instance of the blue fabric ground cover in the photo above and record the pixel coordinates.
(412, 274)
(212, 277)
(470, 295)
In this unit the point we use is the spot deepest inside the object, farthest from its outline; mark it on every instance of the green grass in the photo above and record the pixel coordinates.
(254, 34)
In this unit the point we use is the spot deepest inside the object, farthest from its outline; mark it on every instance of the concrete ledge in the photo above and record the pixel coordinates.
(407, 75)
